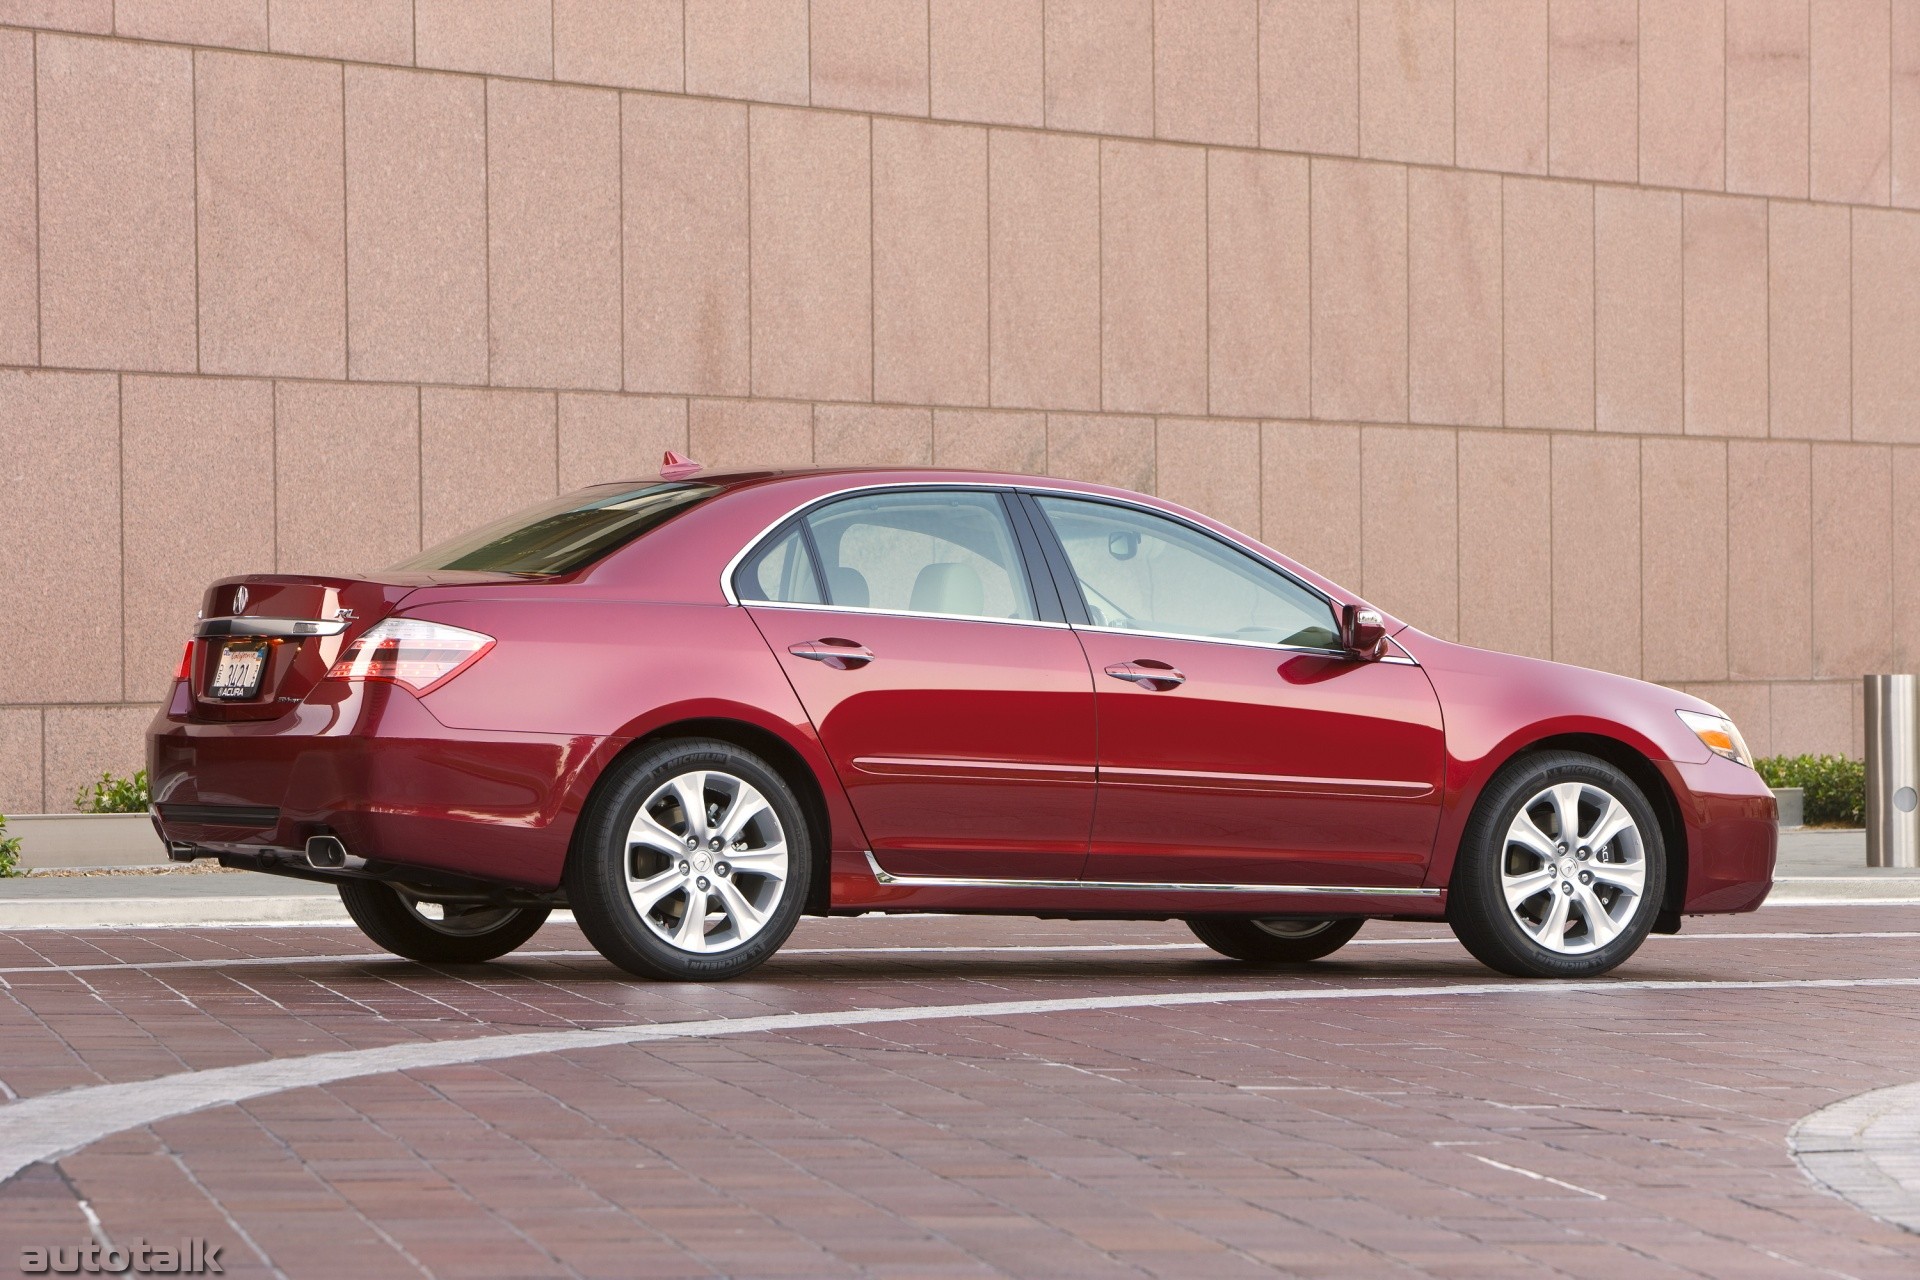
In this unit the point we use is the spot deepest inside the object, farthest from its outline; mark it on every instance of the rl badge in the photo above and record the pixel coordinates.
(187, 1258)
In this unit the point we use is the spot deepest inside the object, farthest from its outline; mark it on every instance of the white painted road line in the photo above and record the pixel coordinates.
(1537, 1177)
(51, 1125)
(382, 957)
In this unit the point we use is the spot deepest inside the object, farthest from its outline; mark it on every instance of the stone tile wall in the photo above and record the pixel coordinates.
(1581, 328)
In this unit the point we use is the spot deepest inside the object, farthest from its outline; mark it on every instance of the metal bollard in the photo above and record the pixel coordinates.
(1893, 771)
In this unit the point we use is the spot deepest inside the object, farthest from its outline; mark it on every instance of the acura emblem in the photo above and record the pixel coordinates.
(240, 600)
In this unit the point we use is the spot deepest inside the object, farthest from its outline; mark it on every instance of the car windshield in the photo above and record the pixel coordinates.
(565, 534)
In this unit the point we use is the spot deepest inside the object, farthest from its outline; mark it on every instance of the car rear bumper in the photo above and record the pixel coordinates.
(1733, 835)
(369, 764)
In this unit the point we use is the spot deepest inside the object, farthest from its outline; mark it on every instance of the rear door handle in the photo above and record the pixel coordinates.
(841, 655)
(1148, 673)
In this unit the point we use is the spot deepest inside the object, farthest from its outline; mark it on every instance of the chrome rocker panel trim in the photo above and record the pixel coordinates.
(886, 877)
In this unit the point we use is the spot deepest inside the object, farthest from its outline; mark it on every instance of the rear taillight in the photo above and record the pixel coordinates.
(186, 664)
(420, 655)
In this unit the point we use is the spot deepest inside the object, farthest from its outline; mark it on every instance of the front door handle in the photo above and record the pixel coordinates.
(1148, 673)
(841, 655)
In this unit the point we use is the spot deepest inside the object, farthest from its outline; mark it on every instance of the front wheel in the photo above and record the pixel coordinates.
(692, 864)
(1280, 940)
(1561, 871)
(433, 933)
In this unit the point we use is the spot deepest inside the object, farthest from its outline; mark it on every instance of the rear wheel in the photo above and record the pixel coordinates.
(1561, 871)
(433, 933)
(692, 863)
(1277, 940)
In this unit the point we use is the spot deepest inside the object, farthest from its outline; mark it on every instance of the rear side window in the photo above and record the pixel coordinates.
(568, 533)
(918, 551)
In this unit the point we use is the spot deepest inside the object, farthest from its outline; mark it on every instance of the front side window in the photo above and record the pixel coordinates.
(566, 533)
(1142, 572)
(937, 552)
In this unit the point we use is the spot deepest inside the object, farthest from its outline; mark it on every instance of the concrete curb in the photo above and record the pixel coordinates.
(1866, 1150)
(178, 912)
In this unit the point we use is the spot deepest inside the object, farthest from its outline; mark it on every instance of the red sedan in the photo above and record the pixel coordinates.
(693, 709)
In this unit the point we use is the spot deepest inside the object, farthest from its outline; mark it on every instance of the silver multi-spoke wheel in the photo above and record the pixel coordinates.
(707, 861)
(1289, 927)
(1574, 868)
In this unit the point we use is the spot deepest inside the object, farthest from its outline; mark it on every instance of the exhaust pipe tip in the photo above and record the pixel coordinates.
(326, 853)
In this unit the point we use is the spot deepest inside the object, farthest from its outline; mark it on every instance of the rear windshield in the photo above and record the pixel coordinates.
(568, 533)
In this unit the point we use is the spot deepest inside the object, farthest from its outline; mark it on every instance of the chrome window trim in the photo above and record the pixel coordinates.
(885, 877)
(897, 613)
(753, 543)
(244, 626)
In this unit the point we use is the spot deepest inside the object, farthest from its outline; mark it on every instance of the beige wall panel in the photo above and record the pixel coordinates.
(685, 245)
(1767, 97)
(116, 205)
(1101, 449)
(1683, 563)
(94, 16)
(869, 55)
(608, 437)
(21, 763)
(1548, 303)
(1637, 311)
(1853, 552)
(1905, 125)
(1258, 284)
(60, 537)
(240, 24)
(1310, 76)
(1206, 71)
(1506, 542)
(858, 435)
(1410, 533)
(503, 37)
(1500, 84)
(416, 226)
(1153, 277)
(1809, 264)
(1359, 291)
(631, 44)
(553, 233)
(1850, 113)
(1906, 559)
(731, 433)
(1596, 552)
(19, 204)
(1310, 504)
(85, 742)
(1886, 326)
(1099, 62)
(1812, 718)
(985, 60)
(358, 30)
(347, 476)
(747, 49)
(1454, 345)
(272, 238)
(1212, 467)
(1406, 80)
(929, 263)
(1593, 88)
(990, 441)
(811, 190)
(1769, 560)
(1045, 253)
(1683, 133)
(1725, 250)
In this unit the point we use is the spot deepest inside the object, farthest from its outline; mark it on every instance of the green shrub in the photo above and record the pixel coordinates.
(1836, 787)
(115, 795)
(9, 851)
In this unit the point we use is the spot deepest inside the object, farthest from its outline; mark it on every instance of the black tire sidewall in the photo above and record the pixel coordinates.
(386, 919)
(1477, 906)
(596, 869)
(1240, 938)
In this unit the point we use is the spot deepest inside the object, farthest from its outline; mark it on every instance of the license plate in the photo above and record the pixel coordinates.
(242, 664)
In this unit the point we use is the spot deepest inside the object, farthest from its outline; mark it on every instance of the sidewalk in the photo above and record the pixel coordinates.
(1816, 868)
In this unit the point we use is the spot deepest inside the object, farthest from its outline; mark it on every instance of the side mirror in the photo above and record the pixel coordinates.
(1363, 633)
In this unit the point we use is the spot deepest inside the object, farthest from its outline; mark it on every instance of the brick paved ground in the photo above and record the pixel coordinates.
(1630, 1132)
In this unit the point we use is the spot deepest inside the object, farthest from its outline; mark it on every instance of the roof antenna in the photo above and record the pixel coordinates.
(675, 467)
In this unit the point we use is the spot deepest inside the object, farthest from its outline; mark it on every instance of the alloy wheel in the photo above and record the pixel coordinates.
(706, 863)
(1287, 927)
(1574, 868)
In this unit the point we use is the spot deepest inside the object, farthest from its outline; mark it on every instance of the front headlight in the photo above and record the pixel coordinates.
(1719, 736)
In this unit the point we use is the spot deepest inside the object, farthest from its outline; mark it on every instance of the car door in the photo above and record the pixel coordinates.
(1238, 744)
(952, 698)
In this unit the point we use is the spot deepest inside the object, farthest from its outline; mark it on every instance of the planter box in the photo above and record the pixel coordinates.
(51, 841)
(1793, 806)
